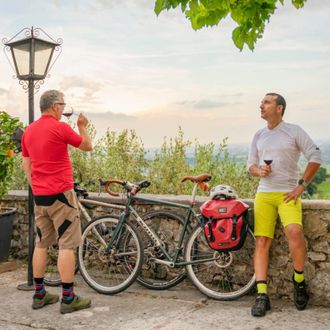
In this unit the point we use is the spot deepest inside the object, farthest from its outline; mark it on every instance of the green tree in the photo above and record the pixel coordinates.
(170, 166)
(250, 16)
(116, 155)
(321, 175)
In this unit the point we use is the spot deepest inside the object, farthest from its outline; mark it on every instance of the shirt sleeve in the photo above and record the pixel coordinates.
(70, 136)
(253, 158)
(310, 150)
(25, 152)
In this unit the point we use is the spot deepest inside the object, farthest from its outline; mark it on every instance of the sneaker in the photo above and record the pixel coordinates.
(261, 305)
(46, 300)
(77, 304)
(300, 295)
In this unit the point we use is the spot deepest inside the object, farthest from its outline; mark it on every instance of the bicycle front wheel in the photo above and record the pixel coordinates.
(228, 276)
(167, 226)
(113, 272)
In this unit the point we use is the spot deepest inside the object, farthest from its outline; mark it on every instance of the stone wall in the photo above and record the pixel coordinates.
(316, 219)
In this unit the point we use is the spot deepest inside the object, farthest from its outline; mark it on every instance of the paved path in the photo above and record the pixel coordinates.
(137, 308)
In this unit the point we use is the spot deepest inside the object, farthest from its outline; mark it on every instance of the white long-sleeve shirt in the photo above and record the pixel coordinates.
(283, 145)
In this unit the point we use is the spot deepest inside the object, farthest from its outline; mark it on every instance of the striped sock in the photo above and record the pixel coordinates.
(262, 287)
(67, 293)
(298, 276)
(39, 287)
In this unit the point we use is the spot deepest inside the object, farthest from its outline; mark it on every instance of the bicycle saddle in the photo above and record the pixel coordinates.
(204, 177)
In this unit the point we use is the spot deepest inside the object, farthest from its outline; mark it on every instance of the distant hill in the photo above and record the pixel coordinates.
(240, 152)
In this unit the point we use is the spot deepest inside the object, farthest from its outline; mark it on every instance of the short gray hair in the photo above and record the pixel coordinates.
(48, 98)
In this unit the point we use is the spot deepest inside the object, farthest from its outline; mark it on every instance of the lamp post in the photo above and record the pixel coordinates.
(32, 57)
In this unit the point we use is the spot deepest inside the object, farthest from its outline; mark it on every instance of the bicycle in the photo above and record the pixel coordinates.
(52, 276)
(106, 255)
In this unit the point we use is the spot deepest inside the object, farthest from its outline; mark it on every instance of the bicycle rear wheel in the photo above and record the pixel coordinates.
(229, 276)
(168, 227)
(113, 272)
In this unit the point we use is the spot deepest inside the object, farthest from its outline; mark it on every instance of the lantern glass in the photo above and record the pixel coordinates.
(21, 54)
(42, 56)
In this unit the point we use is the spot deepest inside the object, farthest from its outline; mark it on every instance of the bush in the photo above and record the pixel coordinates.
(122, 156)
(8, 125)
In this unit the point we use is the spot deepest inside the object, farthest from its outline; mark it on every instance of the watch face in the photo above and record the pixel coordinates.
(301, 181)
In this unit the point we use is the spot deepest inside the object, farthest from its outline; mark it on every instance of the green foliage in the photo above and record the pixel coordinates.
(116, 155)
(122, 156)
(323, 190)
(251, 16)
(313, 187)
(170, 166)
(8, 125)
(321, 175)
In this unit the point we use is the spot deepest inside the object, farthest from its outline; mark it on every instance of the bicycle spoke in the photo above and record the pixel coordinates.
(109, 272)
(229, 276)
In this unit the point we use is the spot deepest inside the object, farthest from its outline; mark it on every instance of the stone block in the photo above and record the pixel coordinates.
(314, 227)
(321, 246)
(319, 288)
(314, 256)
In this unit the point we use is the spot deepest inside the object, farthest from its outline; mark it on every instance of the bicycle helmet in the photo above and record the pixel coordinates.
(222, 191)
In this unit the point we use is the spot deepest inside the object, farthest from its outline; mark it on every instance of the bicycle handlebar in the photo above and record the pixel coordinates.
(133, 188)
(130, 188)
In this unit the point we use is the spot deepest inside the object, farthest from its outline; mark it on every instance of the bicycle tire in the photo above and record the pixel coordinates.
(155, 276)
(114, 272)
(230, 276)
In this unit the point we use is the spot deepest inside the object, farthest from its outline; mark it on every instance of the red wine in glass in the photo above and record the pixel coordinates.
(268, 161)
(69, 113)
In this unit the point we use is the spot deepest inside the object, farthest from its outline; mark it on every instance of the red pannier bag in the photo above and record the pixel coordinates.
(225, 223)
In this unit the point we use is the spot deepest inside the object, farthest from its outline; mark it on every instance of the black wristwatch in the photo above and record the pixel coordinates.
(303, 183)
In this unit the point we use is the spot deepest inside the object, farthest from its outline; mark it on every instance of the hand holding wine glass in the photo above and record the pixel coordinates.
(265, 170)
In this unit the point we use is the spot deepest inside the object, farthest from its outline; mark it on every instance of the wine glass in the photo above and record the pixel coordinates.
(268, 161)
(69, 111)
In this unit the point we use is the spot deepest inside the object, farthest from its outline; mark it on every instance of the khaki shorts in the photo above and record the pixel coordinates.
(57, 220)
(268, 206)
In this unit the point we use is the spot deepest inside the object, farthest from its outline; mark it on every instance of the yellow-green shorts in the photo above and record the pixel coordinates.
(268, 206)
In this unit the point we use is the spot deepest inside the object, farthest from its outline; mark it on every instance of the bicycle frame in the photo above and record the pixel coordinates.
(129, 209)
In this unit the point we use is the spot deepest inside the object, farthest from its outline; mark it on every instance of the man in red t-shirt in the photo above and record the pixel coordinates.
(48, 169)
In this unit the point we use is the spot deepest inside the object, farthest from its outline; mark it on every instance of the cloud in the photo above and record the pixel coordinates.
(110, 116)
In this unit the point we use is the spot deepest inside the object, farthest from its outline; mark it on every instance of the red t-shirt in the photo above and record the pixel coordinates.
(45, 142)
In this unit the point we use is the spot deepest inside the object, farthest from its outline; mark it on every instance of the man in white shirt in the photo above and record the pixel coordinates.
(274, 156)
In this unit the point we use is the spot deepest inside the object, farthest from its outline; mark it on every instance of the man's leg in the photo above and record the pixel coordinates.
(261, 257)
(45, 237)
(66, 264)
(69, 237)
(297, 246)
(265, 215)
(261, 262)
(39, 262)
(41, 296)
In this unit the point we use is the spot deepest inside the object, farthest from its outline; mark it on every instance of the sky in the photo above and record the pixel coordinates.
(126, 68)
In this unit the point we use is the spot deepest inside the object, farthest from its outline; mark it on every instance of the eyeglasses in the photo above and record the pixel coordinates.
(59, 103)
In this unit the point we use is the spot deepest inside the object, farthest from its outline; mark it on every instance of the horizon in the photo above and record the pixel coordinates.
(126, 68)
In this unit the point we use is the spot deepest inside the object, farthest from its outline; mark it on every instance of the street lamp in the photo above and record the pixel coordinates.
(32, 57)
